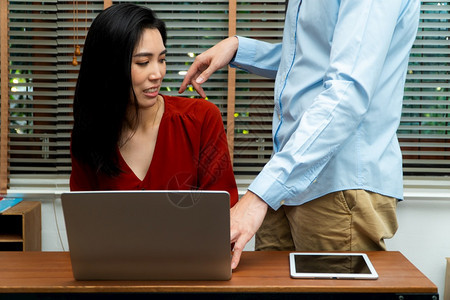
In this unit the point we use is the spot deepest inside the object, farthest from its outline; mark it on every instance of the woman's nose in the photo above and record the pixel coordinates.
(155, 72)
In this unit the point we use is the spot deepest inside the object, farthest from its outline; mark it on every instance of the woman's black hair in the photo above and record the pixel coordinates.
(104, 86)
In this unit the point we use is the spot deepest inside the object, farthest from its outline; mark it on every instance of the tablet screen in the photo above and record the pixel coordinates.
(331, 265)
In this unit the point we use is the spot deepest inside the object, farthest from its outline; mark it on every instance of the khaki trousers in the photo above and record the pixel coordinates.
(351, 220)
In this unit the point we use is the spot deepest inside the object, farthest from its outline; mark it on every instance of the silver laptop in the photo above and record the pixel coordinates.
(148, 235)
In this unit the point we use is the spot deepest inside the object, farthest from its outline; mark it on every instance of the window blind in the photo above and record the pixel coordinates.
(263, 20)
(42, 78)
(424, 129)
(43, 35)
(33, 84)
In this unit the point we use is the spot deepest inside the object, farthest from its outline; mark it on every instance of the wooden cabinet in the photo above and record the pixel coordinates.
(20, 227)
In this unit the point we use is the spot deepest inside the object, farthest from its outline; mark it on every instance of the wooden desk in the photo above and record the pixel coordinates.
(259, 275)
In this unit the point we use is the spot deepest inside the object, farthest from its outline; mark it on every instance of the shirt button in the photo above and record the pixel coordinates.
(282, 202)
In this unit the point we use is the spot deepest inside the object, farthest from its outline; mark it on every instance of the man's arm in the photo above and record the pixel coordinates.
(256, 57)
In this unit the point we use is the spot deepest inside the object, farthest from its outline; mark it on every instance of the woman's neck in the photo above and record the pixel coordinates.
(147, 118)
(146, 121)
(151, 117)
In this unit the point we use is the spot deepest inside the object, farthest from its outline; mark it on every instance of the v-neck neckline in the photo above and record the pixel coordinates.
(155, 151)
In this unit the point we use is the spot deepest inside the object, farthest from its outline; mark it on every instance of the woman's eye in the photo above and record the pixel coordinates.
(162, 60)
(142, 63)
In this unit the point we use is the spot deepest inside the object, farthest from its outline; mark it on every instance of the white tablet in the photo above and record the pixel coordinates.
(331, 265)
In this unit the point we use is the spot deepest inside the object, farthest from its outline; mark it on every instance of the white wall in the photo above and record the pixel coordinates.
(54, 237)
(423, 236)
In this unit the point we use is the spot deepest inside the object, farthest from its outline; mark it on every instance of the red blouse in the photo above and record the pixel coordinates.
(191, 153)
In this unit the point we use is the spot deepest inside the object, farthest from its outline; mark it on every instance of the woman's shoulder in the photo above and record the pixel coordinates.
(184, 105)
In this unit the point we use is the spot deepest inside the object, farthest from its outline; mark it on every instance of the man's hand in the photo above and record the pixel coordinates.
(207, 63)
(246, 218)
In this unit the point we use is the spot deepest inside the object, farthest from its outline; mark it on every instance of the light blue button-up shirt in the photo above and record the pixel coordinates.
(340, 74)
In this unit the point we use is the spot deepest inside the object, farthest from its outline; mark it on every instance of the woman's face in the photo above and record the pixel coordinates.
(148, 67)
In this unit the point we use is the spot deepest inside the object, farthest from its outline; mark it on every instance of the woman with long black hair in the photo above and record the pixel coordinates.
(126, 135)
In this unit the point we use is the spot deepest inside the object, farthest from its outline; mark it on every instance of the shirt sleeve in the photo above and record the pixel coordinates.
(215, 171)
(361, 41)
(257, 57)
